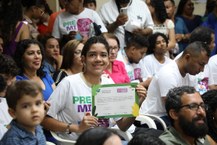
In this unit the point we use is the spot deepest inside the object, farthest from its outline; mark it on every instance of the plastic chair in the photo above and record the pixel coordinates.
(61, 140)
(158, 119)
(49, 143)
(125, 134)
(149, 120)
(146, 120)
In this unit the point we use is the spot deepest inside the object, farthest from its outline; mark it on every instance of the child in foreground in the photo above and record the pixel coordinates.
(26, 106)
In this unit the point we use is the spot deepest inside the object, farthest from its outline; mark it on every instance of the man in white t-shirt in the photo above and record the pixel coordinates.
(132, 56)
(175, 74)
(134, 14)
(76, 22)
(8, 73)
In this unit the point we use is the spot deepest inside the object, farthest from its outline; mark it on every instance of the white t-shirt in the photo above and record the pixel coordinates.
(152, 65)
(166, 78)
(66, 22)
(5, 117)
(134, 71)
(137, 12)
(211, 70)
(3, 130)
(71, 100)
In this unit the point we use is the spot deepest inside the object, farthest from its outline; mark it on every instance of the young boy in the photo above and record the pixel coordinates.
(26, 106)
(91, 4)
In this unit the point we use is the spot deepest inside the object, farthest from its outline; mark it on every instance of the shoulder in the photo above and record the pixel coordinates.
(21, 77)
(170, 137)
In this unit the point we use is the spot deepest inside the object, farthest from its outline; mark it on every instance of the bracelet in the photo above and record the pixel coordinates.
(68, 128)
(183, 36)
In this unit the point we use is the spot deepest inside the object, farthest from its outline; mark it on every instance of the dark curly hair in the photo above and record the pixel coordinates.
(11, 14)
(174, 96)
(210, 99)
(152, 41)
(29, 3)
(181, 7)
(8, 66)
(160, 10)
(21, 48)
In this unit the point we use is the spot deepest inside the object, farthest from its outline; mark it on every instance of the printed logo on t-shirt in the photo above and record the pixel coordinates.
(70, 25)
(82, 103)
(84, 26)
(81, 25)
(137, 73)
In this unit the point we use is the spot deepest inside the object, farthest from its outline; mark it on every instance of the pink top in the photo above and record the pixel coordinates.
(119, 74)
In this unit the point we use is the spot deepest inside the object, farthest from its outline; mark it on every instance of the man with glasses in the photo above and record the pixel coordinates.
(186, 111)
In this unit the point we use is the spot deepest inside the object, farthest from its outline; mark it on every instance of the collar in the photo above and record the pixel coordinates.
(27, 19)
(22, 131)
(199, 141)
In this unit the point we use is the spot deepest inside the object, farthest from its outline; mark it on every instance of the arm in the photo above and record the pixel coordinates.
(56, 125)
(121, 20)
(145, 31)
(25, 33)
(125, 122)
(172, 40)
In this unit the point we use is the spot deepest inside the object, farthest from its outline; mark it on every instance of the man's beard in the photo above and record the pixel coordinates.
(193, 130)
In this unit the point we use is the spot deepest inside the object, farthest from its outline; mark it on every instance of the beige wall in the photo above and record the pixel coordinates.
(199, 7)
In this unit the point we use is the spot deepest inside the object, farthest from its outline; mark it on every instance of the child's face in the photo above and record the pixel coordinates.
(29, 111)
(91, 6)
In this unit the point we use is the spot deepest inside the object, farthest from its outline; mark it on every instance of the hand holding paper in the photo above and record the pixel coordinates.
(117, 100)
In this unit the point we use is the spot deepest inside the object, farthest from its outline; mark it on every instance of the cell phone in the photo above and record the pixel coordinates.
(123, 10)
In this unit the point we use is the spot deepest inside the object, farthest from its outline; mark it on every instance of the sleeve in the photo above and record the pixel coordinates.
(149, 21)
(212, 71)
(170, 24)
(20, 78)
(124, 72)
(56, 28)
(49, 78)
(58, 98)
(98, 21)
(3, 130)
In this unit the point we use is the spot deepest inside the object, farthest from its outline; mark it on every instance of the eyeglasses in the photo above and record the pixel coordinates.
(195, 106)
(115, 48)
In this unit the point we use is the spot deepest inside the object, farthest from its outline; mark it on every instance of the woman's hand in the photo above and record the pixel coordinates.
(141, 91)
(88, 122)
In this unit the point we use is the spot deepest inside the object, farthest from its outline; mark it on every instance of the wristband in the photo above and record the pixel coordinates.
(68, 128)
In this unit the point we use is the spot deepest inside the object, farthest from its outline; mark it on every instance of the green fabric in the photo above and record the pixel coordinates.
(172, 137)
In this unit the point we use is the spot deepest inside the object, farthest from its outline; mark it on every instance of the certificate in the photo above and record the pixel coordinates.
(115, 100)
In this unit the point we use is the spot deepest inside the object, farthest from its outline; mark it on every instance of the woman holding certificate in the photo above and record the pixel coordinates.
(71, 101)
